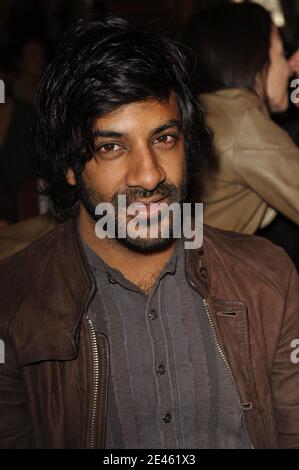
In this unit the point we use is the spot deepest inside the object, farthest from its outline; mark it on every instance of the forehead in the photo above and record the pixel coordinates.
(148, 114)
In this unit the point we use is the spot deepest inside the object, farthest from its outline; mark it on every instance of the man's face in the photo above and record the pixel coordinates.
(140, 154)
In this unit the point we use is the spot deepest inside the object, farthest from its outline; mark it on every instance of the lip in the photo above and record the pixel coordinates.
(149, 207)
(146, 202)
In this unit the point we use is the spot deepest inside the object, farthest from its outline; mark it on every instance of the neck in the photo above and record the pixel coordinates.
(141, 269)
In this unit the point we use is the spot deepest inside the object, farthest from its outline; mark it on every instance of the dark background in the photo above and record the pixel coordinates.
(51, 17)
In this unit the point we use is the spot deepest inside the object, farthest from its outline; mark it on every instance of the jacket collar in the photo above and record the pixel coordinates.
(48, 321)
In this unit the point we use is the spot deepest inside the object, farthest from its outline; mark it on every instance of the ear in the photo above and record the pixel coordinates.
(70, 177)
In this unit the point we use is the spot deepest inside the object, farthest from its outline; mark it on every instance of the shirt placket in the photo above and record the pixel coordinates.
(165, 409)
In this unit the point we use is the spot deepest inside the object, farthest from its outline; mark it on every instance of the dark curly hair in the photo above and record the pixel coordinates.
(100, 66)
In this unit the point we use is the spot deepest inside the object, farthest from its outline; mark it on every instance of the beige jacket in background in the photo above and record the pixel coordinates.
(258, 171)
(15, 237)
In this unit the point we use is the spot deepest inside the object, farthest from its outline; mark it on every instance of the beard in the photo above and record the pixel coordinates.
(90, 199)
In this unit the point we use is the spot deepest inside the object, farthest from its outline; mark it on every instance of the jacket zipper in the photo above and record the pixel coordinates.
(95, 355)
(220, 350)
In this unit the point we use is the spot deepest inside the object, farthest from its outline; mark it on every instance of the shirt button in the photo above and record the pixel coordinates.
(161, 369)
(152, 315)
(110, 279)
(167, 418)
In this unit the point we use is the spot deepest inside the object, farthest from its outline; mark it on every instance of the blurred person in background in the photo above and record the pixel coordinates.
(23, 62)
(290, 120)
(29, 62)
(243, 75)
(26, 45)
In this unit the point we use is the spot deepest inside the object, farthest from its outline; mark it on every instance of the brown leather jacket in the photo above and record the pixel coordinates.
(258, 165)
(53, 384)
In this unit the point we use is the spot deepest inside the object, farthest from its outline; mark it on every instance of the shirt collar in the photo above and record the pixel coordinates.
(99, 267)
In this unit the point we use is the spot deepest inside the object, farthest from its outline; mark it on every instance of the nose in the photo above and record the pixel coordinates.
(145, 171)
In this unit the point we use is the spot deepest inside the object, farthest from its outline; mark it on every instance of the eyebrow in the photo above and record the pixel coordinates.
(167, 125)
(108, 134)
(157, 130)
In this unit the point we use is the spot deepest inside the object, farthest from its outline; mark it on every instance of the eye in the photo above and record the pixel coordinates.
(109, 150)
(166, 141)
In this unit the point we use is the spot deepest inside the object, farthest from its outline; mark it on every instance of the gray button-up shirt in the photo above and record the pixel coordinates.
(169, 387)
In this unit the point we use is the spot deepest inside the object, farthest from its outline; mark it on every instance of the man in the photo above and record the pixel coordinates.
(137, 341)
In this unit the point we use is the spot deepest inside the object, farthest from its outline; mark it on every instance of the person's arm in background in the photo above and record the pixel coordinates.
(267, 161)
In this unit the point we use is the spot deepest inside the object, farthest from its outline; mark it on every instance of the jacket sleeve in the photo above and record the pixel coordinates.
(267, 161)
(285, 371)
(14, 416)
